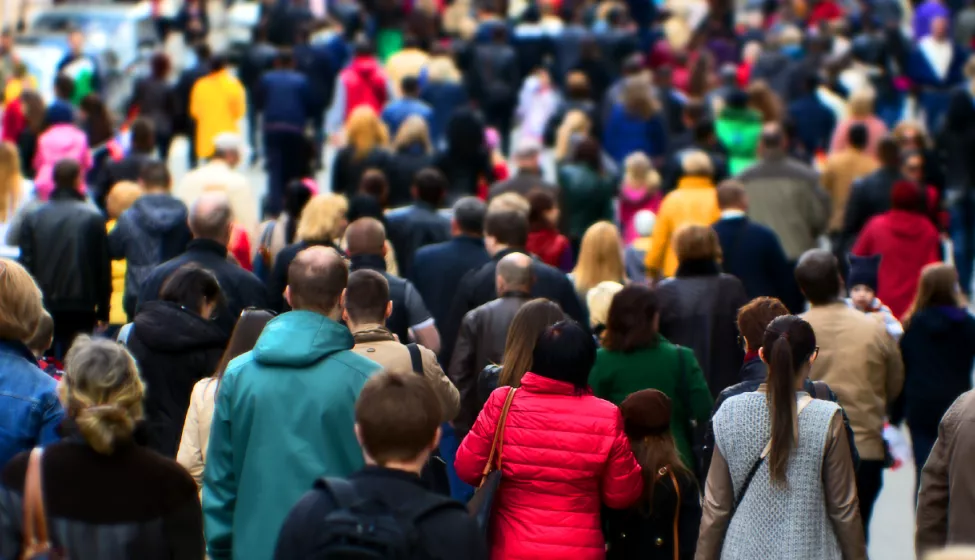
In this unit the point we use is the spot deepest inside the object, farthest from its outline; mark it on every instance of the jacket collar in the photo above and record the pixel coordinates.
(207, 246)
(372, 332)
(695, 183)
(753, 370)
(698, 267)
(514, 294)
(369, 262)
(17, 348)
(534, 383)
(67, 194)
(470, 240)
(505, 252)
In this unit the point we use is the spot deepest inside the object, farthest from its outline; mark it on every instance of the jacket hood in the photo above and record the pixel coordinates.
(905, 225)
(159, 213)
(301, 338)
(940, 319)
(164, 326)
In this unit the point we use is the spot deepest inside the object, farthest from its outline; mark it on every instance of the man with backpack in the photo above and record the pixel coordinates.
(398, 425)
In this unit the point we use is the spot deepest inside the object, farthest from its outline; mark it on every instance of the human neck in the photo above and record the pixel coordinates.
(415, 466)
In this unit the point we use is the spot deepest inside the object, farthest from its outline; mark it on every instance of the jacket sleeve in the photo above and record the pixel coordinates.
(719, 496)
(117, 239)
(473, 452)
(622, 481)
(895, 366)
(818, 207)
(839, 483)
(190, 453)
(446, 391)
(183, 530)
(51, 415)
(709, 431)
(335, 117)
(219, 479)
(102, 265)
(853, 219)
(459, 307)
(599, 380)
(864, 243)
(659, 241)
(700, 394)
(196, 101)
(934, 492)
(778, 267)
(26, 238)
(238, 100)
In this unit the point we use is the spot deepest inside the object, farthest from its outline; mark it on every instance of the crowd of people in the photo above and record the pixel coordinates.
(692, 338)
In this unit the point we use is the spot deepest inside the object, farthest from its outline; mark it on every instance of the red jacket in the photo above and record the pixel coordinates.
(562, 456)
(365, 84)
(14, 121)
(550, 246)
(907, 241)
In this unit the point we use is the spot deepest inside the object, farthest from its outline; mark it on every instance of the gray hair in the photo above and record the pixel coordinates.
(469, 214)
(211, 216)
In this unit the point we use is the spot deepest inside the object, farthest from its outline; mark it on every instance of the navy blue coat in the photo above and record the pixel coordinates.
(411, 228)
(814, 124)
(445, 98)
(753, 254)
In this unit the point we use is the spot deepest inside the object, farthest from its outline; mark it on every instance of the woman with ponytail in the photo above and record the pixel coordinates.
(781, 483)
(104, 496)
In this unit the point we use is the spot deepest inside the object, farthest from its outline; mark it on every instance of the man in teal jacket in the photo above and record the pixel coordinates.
(284, 414)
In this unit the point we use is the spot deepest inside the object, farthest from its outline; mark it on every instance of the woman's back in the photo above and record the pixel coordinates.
(587, 197)
(938, 348)
(404, 164)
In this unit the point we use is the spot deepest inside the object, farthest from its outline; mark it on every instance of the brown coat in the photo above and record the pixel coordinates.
(378, 344)
(946, 502)
(862, 364)
(838, 175)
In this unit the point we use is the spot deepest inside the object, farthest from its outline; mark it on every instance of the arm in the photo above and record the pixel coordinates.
(259, 95)
(26, 235)
(689, 518)
(116, 240)
(420, 320)
(51, 415)
(934, 493)
(864, 243)
(473, 452)
(463, 375)
(622, 479)
(447, 393)
(699, 393)
(818, 208)
(895, 366)
(183, 530)
(719, 497)
(839, 487)
(102, 269)
(238, 100)
(196, 102)
(219, 479)
(190, 454)
(778, 267)
(852, 220)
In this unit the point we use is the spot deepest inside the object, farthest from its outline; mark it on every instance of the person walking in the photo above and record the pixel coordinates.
(494, 82)
(221, 173)
(412, 153)
(600, 259)
(419, 224)
(395, 113)
(781, 462)
(586, 191)
(858, 360)
(157, 101)
(843, 168)
(112, 514)
(217, 104)
(871, 195)
(556, 473)
(363, 83)
(299, 385)
(185, 122)
(365, 149)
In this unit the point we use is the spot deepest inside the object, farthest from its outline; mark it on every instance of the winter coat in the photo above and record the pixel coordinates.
(631, 201)
(563, 455)
(444, 98)
(285, 100)
(174, 347)
(29, 401)
(151, 232)
(551, 247)
(298, 385)
(695, 201)
(217, 104)
(414, 227)
(738, 130)
(624, 134)
(752, 253)
(133, 503)
(157, 101)
(842, 169)
(195, 440)
(401, 169)
(61, 141)
(347, 169)
(587, 197)
(363, 82)
(495, 76)
(617, 375)
(907, 242)
(698, 308)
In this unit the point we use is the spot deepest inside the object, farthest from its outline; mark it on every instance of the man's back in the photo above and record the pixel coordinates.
(753, 254)
(414, 227)
(862, 364)
(283, 418)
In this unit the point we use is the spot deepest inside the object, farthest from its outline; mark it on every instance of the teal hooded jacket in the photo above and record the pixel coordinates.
(284, 416)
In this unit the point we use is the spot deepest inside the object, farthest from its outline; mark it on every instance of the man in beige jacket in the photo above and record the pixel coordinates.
(858, 360)
(366, 306)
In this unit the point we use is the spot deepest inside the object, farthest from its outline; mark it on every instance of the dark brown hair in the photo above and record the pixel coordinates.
(398, 416)
(529, 323)
(694, 242)
(542, 201)
(652, 453)
(367, 296)
(755, 316)
(248, 330)
(788, 344)
(938, 286)
(630, 325)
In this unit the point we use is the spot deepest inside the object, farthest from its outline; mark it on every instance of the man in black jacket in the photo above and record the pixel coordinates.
(64, 245)
(398, 424)
(210, 222)
(870, 195)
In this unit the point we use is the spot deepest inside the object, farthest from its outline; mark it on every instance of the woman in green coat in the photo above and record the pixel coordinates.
(587, 191)
(635, 357)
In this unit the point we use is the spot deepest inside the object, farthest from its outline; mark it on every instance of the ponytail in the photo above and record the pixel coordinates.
(782, 407)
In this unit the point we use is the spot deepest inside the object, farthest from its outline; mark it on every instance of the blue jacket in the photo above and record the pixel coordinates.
(30, 411)
(285, 99)
(814, 123)
(398, 111)
(624, 134)
(413, 227)
(752, 252)
(444, 98)
(283, 417)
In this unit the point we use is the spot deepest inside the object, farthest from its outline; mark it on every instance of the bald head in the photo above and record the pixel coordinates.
(514, 273)
(366, 236)
(316, 278)
(211, 217)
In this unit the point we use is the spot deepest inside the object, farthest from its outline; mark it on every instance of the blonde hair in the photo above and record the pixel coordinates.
(600, 257)
(640, 172)
(102, 392)
(11, 180)
(696, 242)
(905, 126)
(938, 285)
(510, 202)
(598, 300)
(861, 103)
(322, 218)
(696, 164)
(414, 130)
(122, 196)
(441, 69)
(21, 305)
(575, 122)
(364, 131)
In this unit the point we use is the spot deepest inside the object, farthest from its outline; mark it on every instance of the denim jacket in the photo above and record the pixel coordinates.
(29, 408)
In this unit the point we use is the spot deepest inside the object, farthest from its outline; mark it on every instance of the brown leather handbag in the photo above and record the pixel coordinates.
(36, 544)
(480, 505)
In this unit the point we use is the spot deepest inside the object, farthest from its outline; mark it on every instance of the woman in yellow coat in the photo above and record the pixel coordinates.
(694, 201)
(120, 198)
(217, 104)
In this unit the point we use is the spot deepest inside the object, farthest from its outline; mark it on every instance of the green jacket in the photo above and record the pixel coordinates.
(587, 197)
(739, 131)
(616, 375)
(284, 416)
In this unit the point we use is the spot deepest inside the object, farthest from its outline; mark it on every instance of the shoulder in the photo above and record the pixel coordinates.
(355, 363)
(167, 473)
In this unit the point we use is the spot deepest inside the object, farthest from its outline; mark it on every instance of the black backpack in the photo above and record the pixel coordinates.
(370, 529)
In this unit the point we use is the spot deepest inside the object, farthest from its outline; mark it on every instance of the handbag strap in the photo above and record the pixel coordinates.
(35, 536)
(499, 435)
(676, 514)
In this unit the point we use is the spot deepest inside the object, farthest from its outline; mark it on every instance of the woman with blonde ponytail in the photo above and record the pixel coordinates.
(781, 483)
(103, 495)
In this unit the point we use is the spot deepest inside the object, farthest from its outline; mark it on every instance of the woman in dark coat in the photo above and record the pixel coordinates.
(411, 152)
(699, 305)
(467, 158)
(176, 344)
(155, 99)
(366, 143)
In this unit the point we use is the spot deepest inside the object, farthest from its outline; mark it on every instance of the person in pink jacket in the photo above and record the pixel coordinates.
(61, 140)
(563, 455)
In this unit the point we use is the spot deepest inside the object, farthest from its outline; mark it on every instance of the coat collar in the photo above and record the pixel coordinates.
(753, 370)
(698, 267)
(17, 348)
(534, 383)
(372, 332)
(369, 262)
(695, 183)
(207, 246)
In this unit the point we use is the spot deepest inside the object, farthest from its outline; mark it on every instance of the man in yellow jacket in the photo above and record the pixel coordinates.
(217, 104)
(694, 201)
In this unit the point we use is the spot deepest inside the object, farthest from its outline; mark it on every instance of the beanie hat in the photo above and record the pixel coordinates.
(645, 413)
(863, 271)
(906, 195)
(59, 112)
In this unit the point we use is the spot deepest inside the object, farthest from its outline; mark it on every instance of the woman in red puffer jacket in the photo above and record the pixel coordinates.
(563, 454)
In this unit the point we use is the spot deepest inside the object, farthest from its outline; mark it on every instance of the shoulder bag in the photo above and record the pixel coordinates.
(36, 544)
(480, 505)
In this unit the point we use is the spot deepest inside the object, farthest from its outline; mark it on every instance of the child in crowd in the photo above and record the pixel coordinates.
(634, 256)
(120, 198)
(863, 293)
(640, 191)
(40, 342)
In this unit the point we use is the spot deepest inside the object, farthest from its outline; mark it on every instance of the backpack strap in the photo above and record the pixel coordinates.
(434, 503)
(415, 358)
(341, 491)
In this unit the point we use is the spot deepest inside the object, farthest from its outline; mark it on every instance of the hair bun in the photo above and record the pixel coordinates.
(103, 426)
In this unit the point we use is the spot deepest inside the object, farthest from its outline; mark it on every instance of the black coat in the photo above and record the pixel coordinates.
(277, 281)
(403, 166)
(698, 309)
(752, 253)
(869, 197)
(126, 169)
(175, 348)
(240, 289)
(413, 227)
(347, 170)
